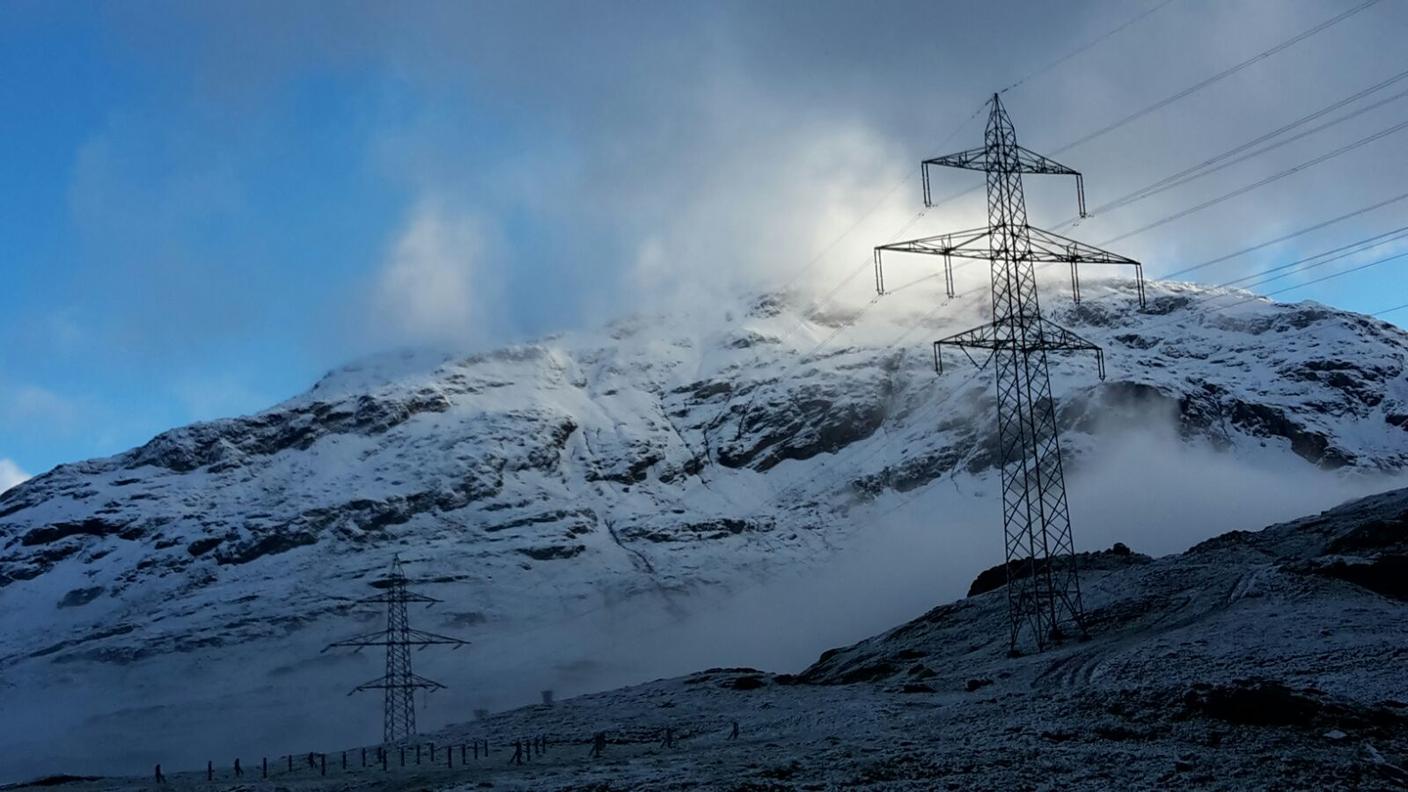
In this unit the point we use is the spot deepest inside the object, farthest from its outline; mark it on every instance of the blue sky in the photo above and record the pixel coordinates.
(203, 207)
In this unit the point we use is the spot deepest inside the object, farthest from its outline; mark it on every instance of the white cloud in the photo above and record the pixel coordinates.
(432, 287)
(11, 474)
(32, 406)
(771, 210)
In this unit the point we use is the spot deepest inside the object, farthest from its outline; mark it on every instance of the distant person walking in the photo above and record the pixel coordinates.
(517, 758)
(160, 778)
(238, 772)
(733, 733)
(598, 744)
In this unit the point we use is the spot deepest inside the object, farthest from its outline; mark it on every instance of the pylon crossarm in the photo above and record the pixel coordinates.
(1029, 161)
(972, 159)
(1056, 338)
(1059, 339)
(419, 681)
(1025, 161)
(423, 638)
(358, 642)
(384, 683)
(1052, 247)
(1049, 248)
(414, 640)
(968, 244)
(401, 596)
(981, 337)
(962, 244)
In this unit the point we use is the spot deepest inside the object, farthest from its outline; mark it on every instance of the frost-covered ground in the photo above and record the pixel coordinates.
(743, 486)
(1256, 660)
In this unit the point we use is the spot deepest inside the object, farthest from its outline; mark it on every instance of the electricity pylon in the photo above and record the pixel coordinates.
(400, 683)
(1044, 597)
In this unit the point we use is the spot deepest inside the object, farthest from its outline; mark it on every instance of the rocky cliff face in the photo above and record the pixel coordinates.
(657, 457)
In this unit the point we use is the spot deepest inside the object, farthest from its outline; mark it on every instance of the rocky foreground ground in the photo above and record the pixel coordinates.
(1256, 660)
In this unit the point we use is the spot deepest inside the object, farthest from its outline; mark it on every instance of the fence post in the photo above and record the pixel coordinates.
(209, 771)
(344, 760)
(290, 763)
(476, 750)
(364, 757)
(449, 757)
(383, 761)
(432, 753)
(461, 753)
(323, 762)
(403, 756)
(264, 768)
(417, 753)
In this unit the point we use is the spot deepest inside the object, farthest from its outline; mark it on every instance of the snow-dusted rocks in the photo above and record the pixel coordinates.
(546, 484)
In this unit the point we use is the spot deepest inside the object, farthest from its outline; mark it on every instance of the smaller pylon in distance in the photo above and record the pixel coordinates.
(400, 683)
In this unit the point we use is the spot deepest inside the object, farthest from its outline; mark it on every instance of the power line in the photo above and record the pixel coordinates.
(1229, 158)
(1389, 310)
(1335, 254)
(906, 500)
(1087, 138)
(1222, 75)
(1285, 237)
(1359, 246)
(1333, 275)
(1186, 92)
(1321, 279)
(885, 442)
(1055, 63)
(1084, 47)
(1329, 256)
(1261, 182)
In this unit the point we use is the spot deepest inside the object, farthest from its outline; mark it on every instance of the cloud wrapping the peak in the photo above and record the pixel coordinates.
(10, 474)
(434, 287)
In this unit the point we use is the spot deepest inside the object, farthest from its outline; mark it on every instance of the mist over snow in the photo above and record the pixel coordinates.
(748, 483)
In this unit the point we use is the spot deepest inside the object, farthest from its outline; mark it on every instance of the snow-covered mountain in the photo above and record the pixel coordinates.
(1262, 659)
(598, 485)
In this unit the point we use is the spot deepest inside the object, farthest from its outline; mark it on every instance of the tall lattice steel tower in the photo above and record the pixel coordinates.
(400, 683)
(1043, 590)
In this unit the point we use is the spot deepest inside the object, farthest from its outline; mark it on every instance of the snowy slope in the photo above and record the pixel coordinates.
(1265, 659)
(1256, 660)
(549, 487)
